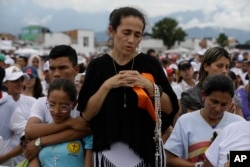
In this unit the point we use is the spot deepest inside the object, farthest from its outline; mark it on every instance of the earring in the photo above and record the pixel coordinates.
(110, 42)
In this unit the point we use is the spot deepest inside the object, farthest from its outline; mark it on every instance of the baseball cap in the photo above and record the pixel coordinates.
(183, 64)
(2, 57)
(13, 73)
(169, 70)
(31, 71)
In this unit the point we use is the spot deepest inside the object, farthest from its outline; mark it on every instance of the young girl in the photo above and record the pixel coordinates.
(32, 86)
(61, 100)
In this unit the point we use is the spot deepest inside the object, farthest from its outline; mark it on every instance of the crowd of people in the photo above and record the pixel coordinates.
(124, 108)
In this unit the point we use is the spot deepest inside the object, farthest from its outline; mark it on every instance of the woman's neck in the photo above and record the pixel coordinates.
(122, 59)
(190, 82)
(212, 122)
(28, 91)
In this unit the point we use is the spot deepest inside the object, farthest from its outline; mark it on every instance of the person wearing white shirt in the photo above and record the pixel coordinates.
(13, 80)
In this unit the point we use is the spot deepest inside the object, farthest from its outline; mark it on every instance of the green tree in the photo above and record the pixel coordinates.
(248, 42)
(222, 40)
(167, 29)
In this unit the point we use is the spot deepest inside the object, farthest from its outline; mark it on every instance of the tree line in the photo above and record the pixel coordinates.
(168, 30)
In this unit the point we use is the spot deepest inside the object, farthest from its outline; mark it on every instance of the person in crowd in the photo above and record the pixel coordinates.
(189, 139)
(234, 137)
(216, 61)
(2, 60)
(61, 100)
(171, 75)
(243, 80)
(198, 58)
(243, 92)
(117, 93)
(9, 62)
(7, 108)
(21, 61)
(32, 87)
(203, 44)
(185, 80)
(46, 80)
(62, 64)
(152, 52)
(79, 81)
(235, 79)
(13, 80)
(35, 61)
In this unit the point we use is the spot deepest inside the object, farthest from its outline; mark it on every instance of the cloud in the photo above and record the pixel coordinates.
(35, 20)
(226, 14)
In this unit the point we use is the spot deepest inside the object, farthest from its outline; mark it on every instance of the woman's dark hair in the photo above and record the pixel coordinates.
(66, 86)
(38, 89)
(218, 82)
(210, 56)
(117, 14)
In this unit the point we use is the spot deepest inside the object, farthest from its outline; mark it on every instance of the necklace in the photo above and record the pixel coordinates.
(54, 158)
(124, 92)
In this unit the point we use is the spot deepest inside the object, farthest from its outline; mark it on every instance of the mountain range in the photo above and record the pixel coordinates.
(196, 32)
(67, 19)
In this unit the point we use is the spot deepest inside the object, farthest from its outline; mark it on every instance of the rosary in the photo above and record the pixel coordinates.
(124, 93)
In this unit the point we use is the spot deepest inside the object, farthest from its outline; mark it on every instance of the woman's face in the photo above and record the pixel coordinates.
(35, 63)
(59, 105)
(187, 73)
(29, 83)
(216, 104)
(127, 36)
(220, 66)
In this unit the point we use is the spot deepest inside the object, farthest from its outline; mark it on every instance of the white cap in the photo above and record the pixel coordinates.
(46, 66)
(13, 73)
(9, 61)
(202, 52)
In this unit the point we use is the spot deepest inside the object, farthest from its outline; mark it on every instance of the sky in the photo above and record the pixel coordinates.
(217, 13)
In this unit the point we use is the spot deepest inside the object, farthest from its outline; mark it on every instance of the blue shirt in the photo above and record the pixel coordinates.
(68, 154)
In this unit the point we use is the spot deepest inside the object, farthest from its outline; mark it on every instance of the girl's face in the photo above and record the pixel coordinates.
(59, 105)
(29, 83)
(127, 36)
(216, 104)
(220, 66)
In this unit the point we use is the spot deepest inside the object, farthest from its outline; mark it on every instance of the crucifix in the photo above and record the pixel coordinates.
(55, 159)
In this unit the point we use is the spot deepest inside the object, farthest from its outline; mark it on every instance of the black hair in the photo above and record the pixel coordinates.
(2, 75)
(25, 58)
(82, 68)
(64, 51)
(218, 82)
(66, 86)
(232, 75)
(117, 14)
(38, 89)
(149, 51)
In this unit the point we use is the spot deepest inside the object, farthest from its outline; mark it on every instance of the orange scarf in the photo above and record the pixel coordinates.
(144, 100)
